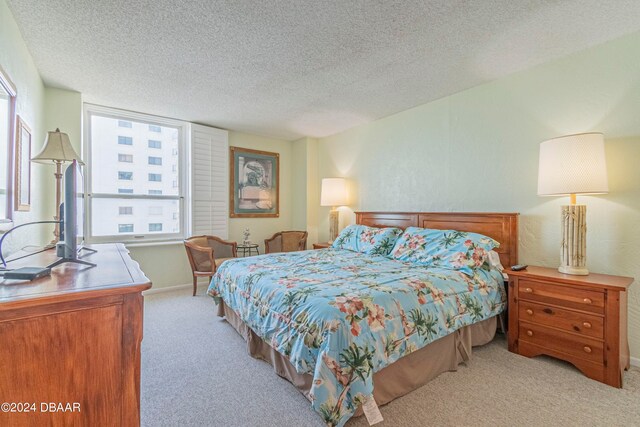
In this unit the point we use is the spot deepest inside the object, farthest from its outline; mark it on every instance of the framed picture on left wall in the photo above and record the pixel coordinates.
(22, 178)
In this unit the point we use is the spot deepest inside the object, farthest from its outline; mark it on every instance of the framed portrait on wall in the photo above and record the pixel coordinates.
(22, 177)
(255, 183)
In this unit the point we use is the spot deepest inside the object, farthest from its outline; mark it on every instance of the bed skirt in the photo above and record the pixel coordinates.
(401, 377)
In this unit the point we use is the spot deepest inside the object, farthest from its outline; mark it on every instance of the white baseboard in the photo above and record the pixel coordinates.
(173, 288)
(635, 361)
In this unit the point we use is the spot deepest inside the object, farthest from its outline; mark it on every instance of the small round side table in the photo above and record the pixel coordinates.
(247, 250)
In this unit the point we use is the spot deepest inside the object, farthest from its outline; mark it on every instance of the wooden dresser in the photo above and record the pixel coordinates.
(580, 319)
(73, 340)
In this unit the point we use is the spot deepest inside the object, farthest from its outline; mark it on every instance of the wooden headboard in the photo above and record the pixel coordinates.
(502, 227)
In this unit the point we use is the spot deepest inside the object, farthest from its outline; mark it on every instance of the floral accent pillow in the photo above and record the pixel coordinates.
(368, 240)
(456, 250)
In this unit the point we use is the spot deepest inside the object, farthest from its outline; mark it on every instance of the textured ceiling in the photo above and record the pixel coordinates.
(300, 68)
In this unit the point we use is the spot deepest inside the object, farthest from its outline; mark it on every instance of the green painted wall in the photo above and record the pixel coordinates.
(305, 188)
(478, 151)
(17, 63)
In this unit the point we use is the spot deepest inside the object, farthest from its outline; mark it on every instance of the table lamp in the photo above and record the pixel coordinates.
(570, 165)
(57, 149)
(334, 193)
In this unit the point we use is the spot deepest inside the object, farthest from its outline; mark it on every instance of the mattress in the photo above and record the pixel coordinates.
(341, 316)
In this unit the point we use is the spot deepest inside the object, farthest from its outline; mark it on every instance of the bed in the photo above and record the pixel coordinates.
(350, 329)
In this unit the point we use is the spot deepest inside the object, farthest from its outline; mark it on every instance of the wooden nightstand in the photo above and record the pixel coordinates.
(321, 245)
(580, 319)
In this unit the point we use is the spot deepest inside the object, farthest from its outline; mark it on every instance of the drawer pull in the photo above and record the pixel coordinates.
(587, 300)
(587, 325)
(530, 333)
(529, 312)
(587, 349)
(528, 290)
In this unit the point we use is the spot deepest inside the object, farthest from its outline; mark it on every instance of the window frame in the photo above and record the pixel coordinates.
(154, 223)
(157, 160)
(126, 225)
(9, 87)
(89, 110)
(122, 176)
(125, 138)
(125, 156)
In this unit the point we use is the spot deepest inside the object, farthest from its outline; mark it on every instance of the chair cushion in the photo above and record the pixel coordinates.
(220, 261)
(291, 241)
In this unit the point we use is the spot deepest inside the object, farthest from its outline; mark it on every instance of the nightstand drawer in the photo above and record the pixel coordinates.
(582, 323)
(563, 342)
(565, 296)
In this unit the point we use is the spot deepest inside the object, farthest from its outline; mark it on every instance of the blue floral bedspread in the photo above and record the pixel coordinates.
(341, 316)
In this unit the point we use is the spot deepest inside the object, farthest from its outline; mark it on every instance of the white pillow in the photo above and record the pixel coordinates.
(494, 261)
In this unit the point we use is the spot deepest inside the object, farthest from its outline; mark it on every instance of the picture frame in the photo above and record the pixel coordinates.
(22, 162)
(254, 184)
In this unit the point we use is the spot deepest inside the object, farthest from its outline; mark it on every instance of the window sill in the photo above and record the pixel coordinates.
(156, 243)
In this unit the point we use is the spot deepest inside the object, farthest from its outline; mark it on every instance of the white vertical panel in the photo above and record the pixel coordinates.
(210, 181)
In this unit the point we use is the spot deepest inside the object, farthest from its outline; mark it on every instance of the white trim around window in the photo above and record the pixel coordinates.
(142, 235)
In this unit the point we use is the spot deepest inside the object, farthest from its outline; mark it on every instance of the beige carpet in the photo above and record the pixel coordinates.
(195, 372)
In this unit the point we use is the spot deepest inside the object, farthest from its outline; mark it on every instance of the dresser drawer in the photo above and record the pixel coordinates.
(590, 325)
(562, 295)
(571, 344)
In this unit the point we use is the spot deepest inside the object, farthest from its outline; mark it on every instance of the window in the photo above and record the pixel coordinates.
(155, 144)
(155, 210)
(107, 195)
(125, 228)
(174, 168)
(155, 160)
(125, 140)
(124, 124)
(175, 183)
(174, 152)
(155, 227)
(126, 176)
(7, 120)
(126, 158)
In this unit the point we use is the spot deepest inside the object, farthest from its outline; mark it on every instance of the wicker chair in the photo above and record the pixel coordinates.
(286, 241)
(206, 253)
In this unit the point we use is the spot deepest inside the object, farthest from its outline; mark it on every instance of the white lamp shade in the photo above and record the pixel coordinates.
(573, 164)
(57, 147)
(335, 192)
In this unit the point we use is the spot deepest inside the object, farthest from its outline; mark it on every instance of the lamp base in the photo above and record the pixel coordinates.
(576, 271)
(333, 224)
(573, 250)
